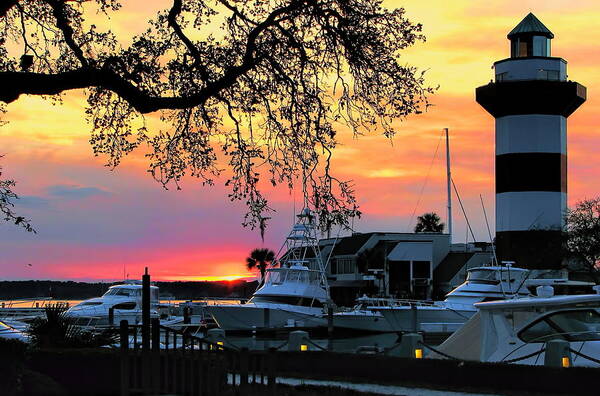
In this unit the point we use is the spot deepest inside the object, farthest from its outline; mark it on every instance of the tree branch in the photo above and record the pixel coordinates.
(6, 5)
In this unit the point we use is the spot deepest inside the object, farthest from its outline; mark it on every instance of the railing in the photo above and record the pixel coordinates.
(180, 363)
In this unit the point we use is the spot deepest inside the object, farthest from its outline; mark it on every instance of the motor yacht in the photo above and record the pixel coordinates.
(125, 300)
(516, 330)
(293, 292)
(482, 284)
(364, 316)
(13, 330)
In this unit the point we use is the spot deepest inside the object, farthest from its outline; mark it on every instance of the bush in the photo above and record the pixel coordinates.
(57, 330)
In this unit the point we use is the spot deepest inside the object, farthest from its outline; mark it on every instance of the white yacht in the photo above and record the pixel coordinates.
(292, 295)
(482, 284)
(516, 330)
(364, 316)
(125, 299)
(13, 330)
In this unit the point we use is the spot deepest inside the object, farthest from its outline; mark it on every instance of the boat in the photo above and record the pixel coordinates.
(517, 330)
(485, 283)
(293, 292)
(364, 316)
(13, 330)
(125, 300)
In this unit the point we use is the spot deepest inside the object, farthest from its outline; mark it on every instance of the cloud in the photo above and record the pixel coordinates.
(32, 202)
(75, 192)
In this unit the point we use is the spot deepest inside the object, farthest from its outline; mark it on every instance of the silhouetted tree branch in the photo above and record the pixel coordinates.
(7, 198)
(268, 95)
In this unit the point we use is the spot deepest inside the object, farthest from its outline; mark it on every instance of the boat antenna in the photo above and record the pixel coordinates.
(463, 209)
(487, 224)
(448, 181)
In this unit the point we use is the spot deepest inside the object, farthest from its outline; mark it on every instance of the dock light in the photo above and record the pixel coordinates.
(418, 353)
(566, 362)
(303, 347)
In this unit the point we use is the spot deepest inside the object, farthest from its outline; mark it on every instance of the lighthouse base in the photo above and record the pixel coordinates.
(534, 249)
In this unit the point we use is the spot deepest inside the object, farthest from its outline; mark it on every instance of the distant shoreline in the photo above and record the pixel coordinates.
(70, 290)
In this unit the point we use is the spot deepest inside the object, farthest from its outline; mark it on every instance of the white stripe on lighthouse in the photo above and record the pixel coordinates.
(530, 210)
(531, 133)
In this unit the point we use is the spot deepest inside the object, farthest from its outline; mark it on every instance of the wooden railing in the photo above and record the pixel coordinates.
(180, 363)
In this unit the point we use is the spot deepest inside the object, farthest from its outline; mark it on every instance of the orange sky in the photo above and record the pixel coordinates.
(92, 221)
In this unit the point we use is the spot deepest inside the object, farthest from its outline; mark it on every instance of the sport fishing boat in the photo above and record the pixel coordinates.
(292, 294)
(364, 316)
(517, 330)
(125, 300)
(482, 284)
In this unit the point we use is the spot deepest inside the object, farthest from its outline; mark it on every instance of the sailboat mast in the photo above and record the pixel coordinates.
(448, 182)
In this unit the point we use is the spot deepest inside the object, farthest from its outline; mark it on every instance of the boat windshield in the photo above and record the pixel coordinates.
(290, 300)
(277, 276)
(493, 276)
(576, 325)
(119, 291)
(482, 276)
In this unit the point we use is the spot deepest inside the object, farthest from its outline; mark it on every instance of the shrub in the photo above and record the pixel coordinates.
(56, 330)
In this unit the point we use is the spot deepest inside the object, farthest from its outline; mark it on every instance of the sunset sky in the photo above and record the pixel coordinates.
(93, 222)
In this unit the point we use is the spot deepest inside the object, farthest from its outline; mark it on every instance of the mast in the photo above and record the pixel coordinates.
(448, 182)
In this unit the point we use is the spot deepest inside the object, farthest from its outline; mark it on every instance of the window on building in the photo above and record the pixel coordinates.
(345, 266)
(501, 76)
(421, 269)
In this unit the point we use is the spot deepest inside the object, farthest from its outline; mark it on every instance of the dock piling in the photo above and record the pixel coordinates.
(557, 354)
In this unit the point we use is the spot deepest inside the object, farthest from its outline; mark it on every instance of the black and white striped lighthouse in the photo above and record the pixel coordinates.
(531, 99)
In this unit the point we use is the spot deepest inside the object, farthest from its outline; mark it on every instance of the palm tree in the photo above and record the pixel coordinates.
(260, 259)
(429, 222)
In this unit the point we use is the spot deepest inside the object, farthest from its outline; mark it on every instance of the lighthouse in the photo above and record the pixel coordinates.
(531, 99)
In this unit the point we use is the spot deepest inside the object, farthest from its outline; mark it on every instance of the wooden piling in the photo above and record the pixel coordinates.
(146, 311)
(124, 338)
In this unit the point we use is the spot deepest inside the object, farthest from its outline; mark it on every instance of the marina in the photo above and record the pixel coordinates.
(378, 300)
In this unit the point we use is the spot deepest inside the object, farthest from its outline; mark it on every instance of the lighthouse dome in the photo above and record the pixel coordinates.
(530, 38)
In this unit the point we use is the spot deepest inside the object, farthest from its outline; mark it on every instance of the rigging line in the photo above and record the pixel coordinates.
(463, 209)
(412, 216)
(487, 224)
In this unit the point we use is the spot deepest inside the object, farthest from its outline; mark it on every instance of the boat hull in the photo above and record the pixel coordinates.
(248, 317)
(432, 319)
(374, 323)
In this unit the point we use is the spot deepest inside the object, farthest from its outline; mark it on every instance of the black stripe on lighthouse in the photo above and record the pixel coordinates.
(531, 172)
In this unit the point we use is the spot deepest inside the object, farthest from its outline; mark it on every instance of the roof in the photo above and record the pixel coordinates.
(530, 24)
(413, 250)
(351, 244)
(450, 266)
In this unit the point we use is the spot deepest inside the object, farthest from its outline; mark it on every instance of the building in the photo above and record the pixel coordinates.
(531, 98)
(411, 265)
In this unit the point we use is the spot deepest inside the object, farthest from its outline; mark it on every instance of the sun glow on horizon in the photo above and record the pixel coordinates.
(209, 278)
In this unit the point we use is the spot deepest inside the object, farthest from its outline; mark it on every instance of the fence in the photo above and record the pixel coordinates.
(179, 363)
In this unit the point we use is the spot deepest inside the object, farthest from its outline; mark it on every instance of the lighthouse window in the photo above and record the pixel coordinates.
(501, 76)
(522, 48)
(553, 75)
(540, 46)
